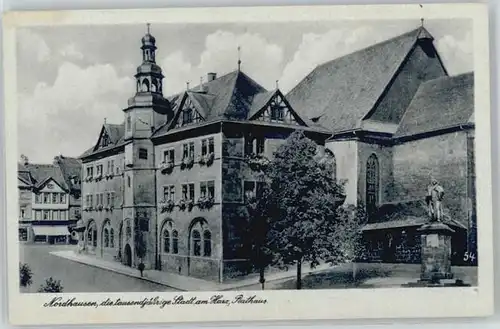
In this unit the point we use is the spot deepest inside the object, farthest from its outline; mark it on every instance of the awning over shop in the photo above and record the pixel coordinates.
(51, 230)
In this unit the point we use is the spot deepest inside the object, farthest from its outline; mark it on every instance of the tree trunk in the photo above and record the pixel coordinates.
(299, 274)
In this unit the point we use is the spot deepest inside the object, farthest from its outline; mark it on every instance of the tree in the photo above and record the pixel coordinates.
(299, 204)
(25, 275)
(51, 285)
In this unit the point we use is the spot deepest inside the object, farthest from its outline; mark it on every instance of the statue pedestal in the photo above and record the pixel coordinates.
(435, 252)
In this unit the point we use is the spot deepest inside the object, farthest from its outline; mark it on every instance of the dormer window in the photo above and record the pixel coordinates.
(187, 116)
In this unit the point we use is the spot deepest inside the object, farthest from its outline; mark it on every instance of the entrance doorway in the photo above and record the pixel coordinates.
(127, 255)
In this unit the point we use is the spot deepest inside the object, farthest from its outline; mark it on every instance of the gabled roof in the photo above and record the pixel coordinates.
(234, 96)
(343, 91)
(41, 173)
(116, 133)
(438, 104)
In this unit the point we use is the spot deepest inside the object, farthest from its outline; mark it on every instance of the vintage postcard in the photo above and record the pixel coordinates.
(237, 164)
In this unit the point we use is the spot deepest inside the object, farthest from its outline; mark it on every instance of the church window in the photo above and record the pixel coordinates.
(372, 184)
(143, 154)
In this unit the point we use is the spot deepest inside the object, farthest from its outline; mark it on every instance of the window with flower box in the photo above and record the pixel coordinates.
(188, 191)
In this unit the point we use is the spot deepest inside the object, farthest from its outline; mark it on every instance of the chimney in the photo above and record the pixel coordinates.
(211, 76)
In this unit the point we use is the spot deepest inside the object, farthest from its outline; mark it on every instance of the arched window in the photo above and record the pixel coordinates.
(372, 184)
(145, 85)
(154, 86)
(92, 234)
(207, 244)
(111, 238)
(106, 238)
(196, 243)
(166, 241)
(175, 242)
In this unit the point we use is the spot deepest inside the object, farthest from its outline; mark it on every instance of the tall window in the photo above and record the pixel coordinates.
(207, 189)
(187, 116)
(170, 239)
(92, 234)
(169, 193)
(99, 170)
(46, 198)
(207, 146)
(196, 243)
(207, 244)
(111, 238)
(129, 122)
(46, 215)
(169, 156)
(188, 150)
(372, 184)
(62, 198)
(175, 242)
(90, 171)
(143, 154)
(38, 198)
(254, 145)
(106, 238)
(188, 191)
(55, 198)
(166, 241)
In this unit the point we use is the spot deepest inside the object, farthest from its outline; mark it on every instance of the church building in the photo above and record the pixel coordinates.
(167, 187)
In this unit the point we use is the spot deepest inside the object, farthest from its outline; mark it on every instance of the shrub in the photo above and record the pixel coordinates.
(51, 285)
(25, 275)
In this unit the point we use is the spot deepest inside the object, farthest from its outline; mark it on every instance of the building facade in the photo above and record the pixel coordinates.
(49, 200)
(167, 187)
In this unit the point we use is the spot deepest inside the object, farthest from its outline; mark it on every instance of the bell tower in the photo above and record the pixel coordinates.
(147, 110)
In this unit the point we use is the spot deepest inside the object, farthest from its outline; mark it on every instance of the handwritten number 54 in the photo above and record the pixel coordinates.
(469, 256)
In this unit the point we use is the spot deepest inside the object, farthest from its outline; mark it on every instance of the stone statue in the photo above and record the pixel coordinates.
(434, 199)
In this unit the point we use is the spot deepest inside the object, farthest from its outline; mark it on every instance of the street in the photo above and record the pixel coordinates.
(76, 277)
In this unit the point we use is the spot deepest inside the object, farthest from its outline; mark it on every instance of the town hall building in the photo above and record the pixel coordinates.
(168, 186)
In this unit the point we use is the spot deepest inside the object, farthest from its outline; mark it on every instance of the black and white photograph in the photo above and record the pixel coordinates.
(248, 157)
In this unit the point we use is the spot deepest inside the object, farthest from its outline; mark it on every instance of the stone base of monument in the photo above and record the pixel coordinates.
(436, 257)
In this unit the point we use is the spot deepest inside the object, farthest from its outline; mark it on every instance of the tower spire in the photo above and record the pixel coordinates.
(239, 58)
(148, 27)
(422, 22)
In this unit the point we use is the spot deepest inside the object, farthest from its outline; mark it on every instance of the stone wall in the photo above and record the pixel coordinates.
(443, 157)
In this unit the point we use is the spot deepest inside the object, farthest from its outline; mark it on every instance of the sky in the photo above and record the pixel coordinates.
(72, 78)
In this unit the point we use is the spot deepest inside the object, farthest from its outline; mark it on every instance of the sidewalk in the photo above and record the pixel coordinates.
(179, 282)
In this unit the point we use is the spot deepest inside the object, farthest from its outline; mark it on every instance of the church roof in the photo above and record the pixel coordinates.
(438, 104)
(344, 90)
